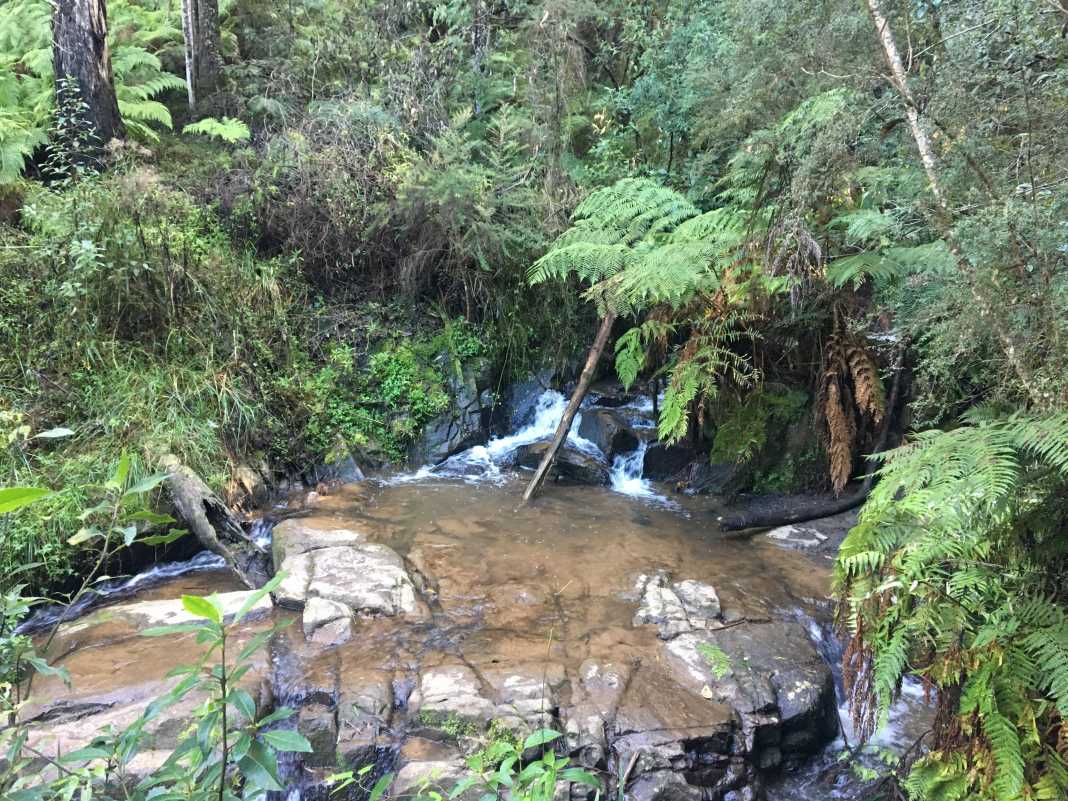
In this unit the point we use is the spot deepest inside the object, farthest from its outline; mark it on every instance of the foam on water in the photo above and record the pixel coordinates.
(484, 463)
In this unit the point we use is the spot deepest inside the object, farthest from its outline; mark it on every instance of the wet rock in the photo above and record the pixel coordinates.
(665, 462)
(571, 464)
(679, 744)
(451, 693)
(318, 724)
(465, 424)
(126, 620)
(797, 536)
(527, 695)
(430, 764)
(340, 566)
(327, 622)
(596, 693)
(609, 431)
(676, 607)
(773, 676)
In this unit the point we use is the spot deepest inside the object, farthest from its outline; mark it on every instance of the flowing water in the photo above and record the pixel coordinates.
(551, 583)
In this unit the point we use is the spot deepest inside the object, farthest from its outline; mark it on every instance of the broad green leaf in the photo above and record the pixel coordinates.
(122, 472)
(146, 484)
(580, 776)
(540, 737)
(281, 713)
(12, 498)
(380, 787)
(243, 703)
(165, 539)
(206, 608)
(260, 767)
(286, 740)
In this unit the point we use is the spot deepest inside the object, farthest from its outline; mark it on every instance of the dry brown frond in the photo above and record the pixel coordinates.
(840, 429)
(867, 386)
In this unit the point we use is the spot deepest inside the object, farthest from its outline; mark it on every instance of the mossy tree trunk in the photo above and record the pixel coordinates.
(80, 52)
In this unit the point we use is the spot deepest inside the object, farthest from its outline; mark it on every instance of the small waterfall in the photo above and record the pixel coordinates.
(627, 471)
(484, 462)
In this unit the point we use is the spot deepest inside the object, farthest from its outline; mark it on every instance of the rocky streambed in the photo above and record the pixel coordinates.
(425, 614)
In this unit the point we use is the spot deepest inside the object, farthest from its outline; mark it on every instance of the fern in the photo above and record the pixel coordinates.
(227, 129)
(138, 34)
(955, 570)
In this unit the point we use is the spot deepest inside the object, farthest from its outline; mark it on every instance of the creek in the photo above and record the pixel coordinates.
(426, 606)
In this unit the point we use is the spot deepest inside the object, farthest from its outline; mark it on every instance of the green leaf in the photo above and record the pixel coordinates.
(286, 740)
(260, 767)
(122, 472)
(540, 737)
(258, 595)
(380, 787)
(146, 484)
(580, 776)
(165, 539)
(281, 713)
(206, 608)
(178, 628)
(12, 498)
(243, 703)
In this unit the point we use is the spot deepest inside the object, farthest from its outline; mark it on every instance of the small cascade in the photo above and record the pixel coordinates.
(117, 589)
(483, 463)
(627, 471)
(486, 463)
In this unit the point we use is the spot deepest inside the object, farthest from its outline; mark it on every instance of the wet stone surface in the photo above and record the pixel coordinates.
(423, 619)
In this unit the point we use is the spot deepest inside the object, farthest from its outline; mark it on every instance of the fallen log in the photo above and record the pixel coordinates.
(213, 524)
(756, 517)
(771, 518)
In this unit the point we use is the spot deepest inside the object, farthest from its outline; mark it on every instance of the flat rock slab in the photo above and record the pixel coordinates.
(335, 575)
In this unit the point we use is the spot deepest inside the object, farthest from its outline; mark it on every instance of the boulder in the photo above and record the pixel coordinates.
(339, 566)
(682, 745)
(451, 694)
(664, 462)
(571, 465)
(608, 430)
(676, 607)
(772, 675)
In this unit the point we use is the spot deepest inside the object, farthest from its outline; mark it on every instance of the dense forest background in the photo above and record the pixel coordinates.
(786, 208)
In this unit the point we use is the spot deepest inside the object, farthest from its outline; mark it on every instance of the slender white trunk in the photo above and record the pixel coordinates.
(1011, 344)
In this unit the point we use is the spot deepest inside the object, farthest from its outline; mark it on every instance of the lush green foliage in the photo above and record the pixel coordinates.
(955, 573)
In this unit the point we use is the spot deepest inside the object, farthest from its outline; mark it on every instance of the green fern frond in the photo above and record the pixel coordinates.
(228, 129)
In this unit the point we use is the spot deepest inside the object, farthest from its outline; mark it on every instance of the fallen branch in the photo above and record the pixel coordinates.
(572, 407)
(213, 524)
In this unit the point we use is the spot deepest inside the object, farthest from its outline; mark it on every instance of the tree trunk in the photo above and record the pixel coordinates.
(80, 52)
(212, 522)
(1011, 344)
(203, 51)
(572, 407)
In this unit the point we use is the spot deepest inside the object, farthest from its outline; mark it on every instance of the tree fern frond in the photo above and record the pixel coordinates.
(228, 129)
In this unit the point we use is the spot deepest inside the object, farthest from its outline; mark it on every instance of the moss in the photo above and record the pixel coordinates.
(448, 723)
